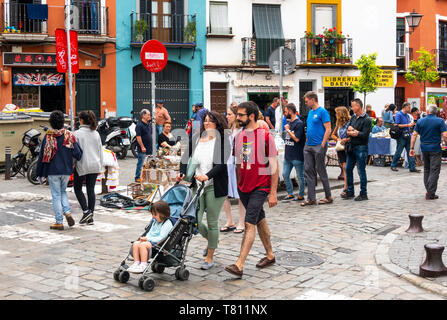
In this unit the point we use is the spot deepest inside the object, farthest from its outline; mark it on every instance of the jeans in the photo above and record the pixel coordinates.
(432, 168)
(90, 181)
(359, 155)
(401, 144)
(61, 206)
(314, 159)
(140, 163)
(299, 169)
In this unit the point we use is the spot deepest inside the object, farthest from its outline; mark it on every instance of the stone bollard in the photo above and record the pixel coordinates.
(415, 223)
(433, 266)
(8, 163)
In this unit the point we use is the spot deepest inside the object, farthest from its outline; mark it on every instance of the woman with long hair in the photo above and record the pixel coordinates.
(340, 134)
(233, 125)
(90, 164)
(209, 158)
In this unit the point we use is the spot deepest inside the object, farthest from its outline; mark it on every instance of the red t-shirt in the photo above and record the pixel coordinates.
(251, 151)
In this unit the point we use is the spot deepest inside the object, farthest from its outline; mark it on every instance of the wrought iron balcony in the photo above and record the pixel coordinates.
(170, 29)
(441, 57)
(89, 17)
(250, 49)
(15, 19)
(326, 51)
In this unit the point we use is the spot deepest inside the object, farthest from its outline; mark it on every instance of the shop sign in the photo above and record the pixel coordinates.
(29, 59)
(385, 80)
(38, 79)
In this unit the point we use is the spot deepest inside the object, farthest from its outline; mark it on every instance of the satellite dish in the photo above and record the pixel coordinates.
(289, 61)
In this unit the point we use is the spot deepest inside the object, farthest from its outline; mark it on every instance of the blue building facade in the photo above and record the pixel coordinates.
(181, 26)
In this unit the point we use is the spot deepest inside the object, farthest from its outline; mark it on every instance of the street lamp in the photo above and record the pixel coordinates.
(413, 20)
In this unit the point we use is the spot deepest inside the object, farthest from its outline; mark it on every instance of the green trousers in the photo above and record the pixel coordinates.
(212, 206)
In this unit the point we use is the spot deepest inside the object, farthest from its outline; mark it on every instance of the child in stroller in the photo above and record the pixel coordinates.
(142, 249)
(170, 250)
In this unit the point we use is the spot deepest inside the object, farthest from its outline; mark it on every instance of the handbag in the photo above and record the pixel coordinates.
(339, 146)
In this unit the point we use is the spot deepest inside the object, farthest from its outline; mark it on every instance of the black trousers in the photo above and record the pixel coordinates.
(90, 181)
(432, 168)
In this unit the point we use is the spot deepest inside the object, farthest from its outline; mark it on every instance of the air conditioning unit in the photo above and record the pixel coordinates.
(400, 50)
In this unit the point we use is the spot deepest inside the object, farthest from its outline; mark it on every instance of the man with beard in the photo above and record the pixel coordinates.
(257, 175)
(293, 152)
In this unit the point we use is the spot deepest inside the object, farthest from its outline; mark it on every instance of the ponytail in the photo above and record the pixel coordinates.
(89, 119)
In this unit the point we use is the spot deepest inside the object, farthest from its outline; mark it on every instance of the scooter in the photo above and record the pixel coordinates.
(22, 160)
(114, 136)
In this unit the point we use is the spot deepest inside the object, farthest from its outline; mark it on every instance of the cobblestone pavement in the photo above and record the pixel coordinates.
(341, 240)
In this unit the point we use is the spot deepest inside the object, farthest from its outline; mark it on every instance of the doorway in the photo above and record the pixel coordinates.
(52, 98)
(219, 97)
(264, 99)
(88, 92)
(337, 97)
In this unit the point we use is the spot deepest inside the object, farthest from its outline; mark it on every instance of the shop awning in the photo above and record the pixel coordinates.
(38, 79)
(262, 83)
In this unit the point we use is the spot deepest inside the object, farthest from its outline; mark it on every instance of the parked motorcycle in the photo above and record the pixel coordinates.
(114, 136)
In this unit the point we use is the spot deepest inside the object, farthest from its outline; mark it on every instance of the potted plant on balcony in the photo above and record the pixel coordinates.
(330, 35)
(313, 59)
(190, 32)
(340, 38)
(339, 58)
(346, 59)
(317, 39)
(141, 27)
(309, 35)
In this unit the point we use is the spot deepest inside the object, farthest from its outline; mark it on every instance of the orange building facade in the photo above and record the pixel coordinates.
(29, 76)
(431, 34)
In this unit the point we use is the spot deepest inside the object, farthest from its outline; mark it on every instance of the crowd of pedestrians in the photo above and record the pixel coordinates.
(236, 157)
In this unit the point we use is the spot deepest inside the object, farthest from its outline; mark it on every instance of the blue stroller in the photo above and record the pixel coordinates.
(171, 251)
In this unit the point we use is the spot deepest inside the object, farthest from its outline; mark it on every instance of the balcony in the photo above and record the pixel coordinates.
(441, 57)
(216, 32)
(173, 30)
(89, 18)
(327, 52)
(16, 24)
(249, 50)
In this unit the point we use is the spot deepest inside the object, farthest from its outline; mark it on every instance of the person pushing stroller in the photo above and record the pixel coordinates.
(142, 249)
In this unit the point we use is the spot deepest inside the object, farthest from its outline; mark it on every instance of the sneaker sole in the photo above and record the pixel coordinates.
(85, 219)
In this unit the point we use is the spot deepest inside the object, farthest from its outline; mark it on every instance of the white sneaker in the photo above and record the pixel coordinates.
(134, 267)
(142, 267)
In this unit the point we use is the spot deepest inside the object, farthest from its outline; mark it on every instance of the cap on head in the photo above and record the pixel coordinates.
(198, 104)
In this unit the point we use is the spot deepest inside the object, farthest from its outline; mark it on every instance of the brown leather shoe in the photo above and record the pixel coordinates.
(70, 219)
(394, 169)
(233, 269)
(265, 262)
(57, 226)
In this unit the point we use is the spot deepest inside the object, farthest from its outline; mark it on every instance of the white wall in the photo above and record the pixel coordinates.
(371, 25)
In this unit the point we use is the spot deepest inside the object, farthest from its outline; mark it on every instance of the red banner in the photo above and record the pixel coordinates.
(62, 48)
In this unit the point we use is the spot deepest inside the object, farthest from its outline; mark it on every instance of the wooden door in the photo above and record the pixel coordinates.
(219, 97)
(161, 20)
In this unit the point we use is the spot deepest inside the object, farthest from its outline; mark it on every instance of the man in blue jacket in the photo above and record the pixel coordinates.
(55, 162)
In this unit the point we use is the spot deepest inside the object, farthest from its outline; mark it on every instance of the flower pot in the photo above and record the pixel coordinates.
(339, 60)
(332, 59)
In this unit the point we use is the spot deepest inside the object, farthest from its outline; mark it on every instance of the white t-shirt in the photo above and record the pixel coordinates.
(203, 156)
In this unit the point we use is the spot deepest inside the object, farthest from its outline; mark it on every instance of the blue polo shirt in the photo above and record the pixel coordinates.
(315, 126)
(430, 129)
(402, 118)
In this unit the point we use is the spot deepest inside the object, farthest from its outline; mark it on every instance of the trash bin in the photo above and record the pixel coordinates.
(12, 128)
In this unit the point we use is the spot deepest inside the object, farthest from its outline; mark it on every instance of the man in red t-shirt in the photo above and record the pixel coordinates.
(257, 175)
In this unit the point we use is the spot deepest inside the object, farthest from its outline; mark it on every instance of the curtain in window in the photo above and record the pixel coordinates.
(219, 18)
(268, 31)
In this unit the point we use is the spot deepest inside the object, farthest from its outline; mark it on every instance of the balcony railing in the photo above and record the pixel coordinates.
(326, 51)
(14, 19)
(249, 50)
(173, 29)
(89, 17)
(441, 57)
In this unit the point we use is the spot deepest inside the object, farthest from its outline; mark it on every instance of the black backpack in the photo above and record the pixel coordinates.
(395, 131)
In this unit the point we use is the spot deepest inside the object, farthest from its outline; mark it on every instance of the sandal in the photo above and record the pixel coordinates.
(227, 228)
(308, 203)
(239, 230)
(326, 201)
(343, 192)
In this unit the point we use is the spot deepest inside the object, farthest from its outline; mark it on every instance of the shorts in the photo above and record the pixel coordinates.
(341, 156)
(254, 205)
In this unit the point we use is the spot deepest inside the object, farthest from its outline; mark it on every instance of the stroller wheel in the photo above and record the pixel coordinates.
(140, 282)
(124, 276)
(148, 284)
(182, 274)
(116, 275)
(157, 268)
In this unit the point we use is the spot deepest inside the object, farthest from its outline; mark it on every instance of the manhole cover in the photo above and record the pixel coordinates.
(298, 259)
